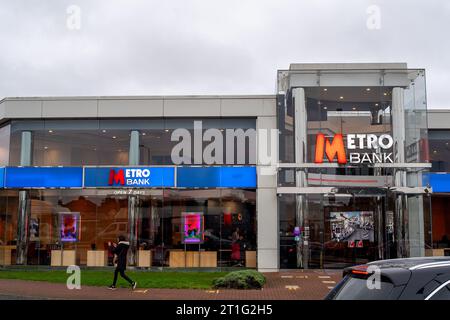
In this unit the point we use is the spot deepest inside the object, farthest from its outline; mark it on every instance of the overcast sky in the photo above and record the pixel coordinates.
(210, 46)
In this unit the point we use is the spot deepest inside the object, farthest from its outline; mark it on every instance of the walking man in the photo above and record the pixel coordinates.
(120, 250)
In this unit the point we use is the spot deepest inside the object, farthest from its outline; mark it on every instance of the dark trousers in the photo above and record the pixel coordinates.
(122, 274)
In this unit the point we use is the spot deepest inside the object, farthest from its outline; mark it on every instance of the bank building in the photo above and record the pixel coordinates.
(357, 172)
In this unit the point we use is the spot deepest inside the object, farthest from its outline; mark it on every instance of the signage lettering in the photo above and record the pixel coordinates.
(336, 150)
(138, 177)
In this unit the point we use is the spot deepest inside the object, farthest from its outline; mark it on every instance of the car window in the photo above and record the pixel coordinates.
(442, 294)
(356, 288)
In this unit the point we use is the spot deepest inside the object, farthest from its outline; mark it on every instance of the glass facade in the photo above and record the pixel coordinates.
(77, 226)
(439, 152)
(100, 216)
(353, 149)
(106, 142)
(352, 212)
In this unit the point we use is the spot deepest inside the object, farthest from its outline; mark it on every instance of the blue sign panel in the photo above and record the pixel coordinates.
(440, 182)
(216, 177)
(41, 177)
(2, 177)
(129, 177)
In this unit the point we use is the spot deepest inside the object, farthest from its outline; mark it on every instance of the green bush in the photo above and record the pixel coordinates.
(245, 279)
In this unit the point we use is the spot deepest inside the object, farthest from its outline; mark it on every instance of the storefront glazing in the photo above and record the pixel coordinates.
(331, 214)
(75, 226)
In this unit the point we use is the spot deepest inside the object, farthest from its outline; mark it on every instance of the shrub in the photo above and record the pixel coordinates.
(245, 279)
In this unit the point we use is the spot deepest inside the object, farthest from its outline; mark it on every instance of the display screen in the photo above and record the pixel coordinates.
(69, 224)
(192, 227)
(352, 226)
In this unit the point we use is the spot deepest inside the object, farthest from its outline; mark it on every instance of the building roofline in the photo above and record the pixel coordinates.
(348, 66)
(162, 97)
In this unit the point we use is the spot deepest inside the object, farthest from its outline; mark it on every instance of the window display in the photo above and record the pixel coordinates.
(69, 226)
(193, 227)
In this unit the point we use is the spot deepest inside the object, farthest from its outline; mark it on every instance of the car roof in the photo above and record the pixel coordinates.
(412, 263)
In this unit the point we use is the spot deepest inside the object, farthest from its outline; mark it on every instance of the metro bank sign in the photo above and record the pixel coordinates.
(357, 150)
(137, 177)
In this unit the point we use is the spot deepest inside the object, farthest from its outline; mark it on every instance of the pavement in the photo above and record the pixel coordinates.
(283, 285)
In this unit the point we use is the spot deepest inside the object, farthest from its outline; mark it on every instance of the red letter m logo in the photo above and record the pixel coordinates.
(116, 178)
(332, 150)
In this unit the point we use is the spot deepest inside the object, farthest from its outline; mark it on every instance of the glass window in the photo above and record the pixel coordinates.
(442, 294)
(106, 142)
(346, 110)
(439, 150)
(356, 289)
(4, 145)
(228, 221)
(77, 222)
(8, 226)
(73, 142)
(156, 143)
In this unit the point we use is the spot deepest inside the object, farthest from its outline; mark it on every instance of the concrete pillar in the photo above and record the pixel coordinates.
(26, 149)
(133, 160)
(416, 226)
(24, 212)
(268, 256)
(301, 137)
(133, 155)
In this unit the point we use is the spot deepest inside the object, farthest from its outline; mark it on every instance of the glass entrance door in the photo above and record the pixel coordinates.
(352, 230)
(352, 226)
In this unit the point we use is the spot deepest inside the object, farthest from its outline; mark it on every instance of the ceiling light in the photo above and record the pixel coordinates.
(114, 137)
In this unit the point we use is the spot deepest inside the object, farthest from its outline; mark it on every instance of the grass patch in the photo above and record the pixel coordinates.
(149, 279)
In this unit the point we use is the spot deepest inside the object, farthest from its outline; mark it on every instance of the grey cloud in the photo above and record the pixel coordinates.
(209, 47)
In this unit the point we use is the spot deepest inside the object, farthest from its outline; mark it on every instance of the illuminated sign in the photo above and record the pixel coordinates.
(127, 177)
(136, 177)
(192, 227)
(363, 142)
(43, 177)
(332, 150)
(69, 226)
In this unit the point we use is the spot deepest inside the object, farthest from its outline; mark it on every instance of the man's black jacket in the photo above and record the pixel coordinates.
(121, 252)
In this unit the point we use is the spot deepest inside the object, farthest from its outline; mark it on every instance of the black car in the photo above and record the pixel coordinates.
(397, 279)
